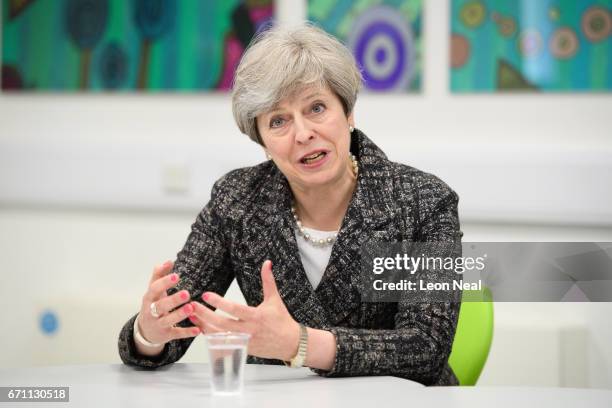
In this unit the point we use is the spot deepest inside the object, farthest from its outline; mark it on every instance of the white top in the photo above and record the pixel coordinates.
(314, 258)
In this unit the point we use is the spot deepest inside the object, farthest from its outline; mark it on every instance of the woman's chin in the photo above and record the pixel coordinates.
(319, 178)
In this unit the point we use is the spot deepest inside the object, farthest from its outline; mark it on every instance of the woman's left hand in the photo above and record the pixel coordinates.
(274, 333)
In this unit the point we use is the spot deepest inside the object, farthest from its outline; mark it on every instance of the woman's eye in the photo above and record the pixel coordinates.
(318, 108)
(277, 122)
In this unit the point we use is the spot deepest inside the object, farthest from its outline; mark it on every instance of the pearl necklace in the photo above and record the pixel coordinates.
(311, 240)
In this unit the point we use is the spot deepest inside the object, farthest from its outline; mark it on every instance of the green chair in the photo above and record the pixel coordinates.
(473, 336)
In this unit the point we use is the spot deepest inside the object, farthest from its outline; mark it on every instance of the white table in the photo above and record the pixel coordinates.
(186, 385)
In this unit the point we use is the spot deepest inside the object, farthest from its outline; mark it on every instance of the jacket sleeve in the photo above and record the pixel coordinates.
(202, 265)
(420, 343)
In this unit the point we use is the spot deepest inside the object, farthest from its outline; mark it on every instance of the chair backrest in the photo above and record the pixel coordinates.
(473, 337)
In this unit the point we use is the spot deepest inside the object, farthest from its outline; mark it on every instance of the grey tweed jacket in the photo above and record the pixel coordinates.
(248, 220)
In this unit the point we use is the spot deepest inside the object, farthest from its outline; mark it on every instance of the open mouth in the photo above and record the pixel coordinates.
(313, 158)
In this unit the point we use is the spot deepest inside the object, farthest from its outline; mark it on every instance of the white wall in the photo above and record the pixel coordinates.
(84, 212)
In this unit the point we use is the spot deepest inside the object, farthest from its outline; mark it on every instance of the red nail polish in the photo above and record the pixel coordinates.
(184, 295)
(188, 309)
(174, 277)
(192, 318)
(205, 296)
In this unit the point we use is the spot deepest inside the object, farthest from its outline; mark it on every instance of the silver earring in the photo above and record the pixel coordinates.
(351, 129)
(268, 156)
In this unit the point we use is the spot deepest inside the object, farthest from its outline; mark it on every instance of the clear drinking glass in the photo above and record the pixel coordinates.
(227, 352)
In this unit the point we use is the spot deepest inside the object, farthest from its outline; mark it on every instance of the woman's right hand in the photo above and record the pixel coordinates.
(161, 329)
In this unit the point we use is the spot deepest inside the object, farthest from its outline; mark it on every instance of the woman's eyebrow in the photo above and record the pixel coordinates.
(312, 96)
(277, 109)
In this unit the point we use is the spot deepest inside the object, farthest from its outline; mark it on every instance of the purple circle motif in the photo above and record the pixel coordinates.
(381, 40)
(374, 30)
(380, 55)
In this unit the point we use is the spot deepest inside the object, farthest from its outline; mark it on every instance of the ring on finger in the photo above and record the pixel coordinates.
(153, 309)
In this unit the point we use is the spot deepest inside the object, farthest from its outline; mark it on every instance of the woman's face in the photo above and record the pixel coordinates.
(308, 138)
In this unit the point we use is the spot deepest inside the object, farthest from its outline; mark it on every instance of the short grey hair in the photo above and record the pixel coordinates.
(282, 61)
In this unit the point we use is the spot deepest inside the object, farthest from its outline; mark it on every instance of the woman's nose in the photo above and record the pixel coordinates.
(303, 132)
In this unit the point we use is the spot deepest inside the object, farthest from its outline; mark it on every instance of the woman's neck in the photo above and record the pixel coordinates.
(323, 208)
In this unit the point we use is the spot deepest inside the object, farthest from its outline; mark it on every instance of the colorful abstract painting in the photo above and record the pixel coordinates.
(531, 45)
(384, 36)
(101, 45)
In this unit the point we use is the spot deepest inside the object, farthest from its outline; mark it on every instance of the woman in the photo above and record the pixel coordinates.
(289, 231)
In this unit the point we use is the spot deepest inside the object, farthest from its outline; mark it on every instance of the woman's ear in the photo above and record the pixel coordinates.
(351, 120)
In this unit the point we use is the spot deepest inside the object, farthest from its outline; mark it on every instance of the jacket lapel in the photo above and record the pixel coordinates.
(370, 216)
